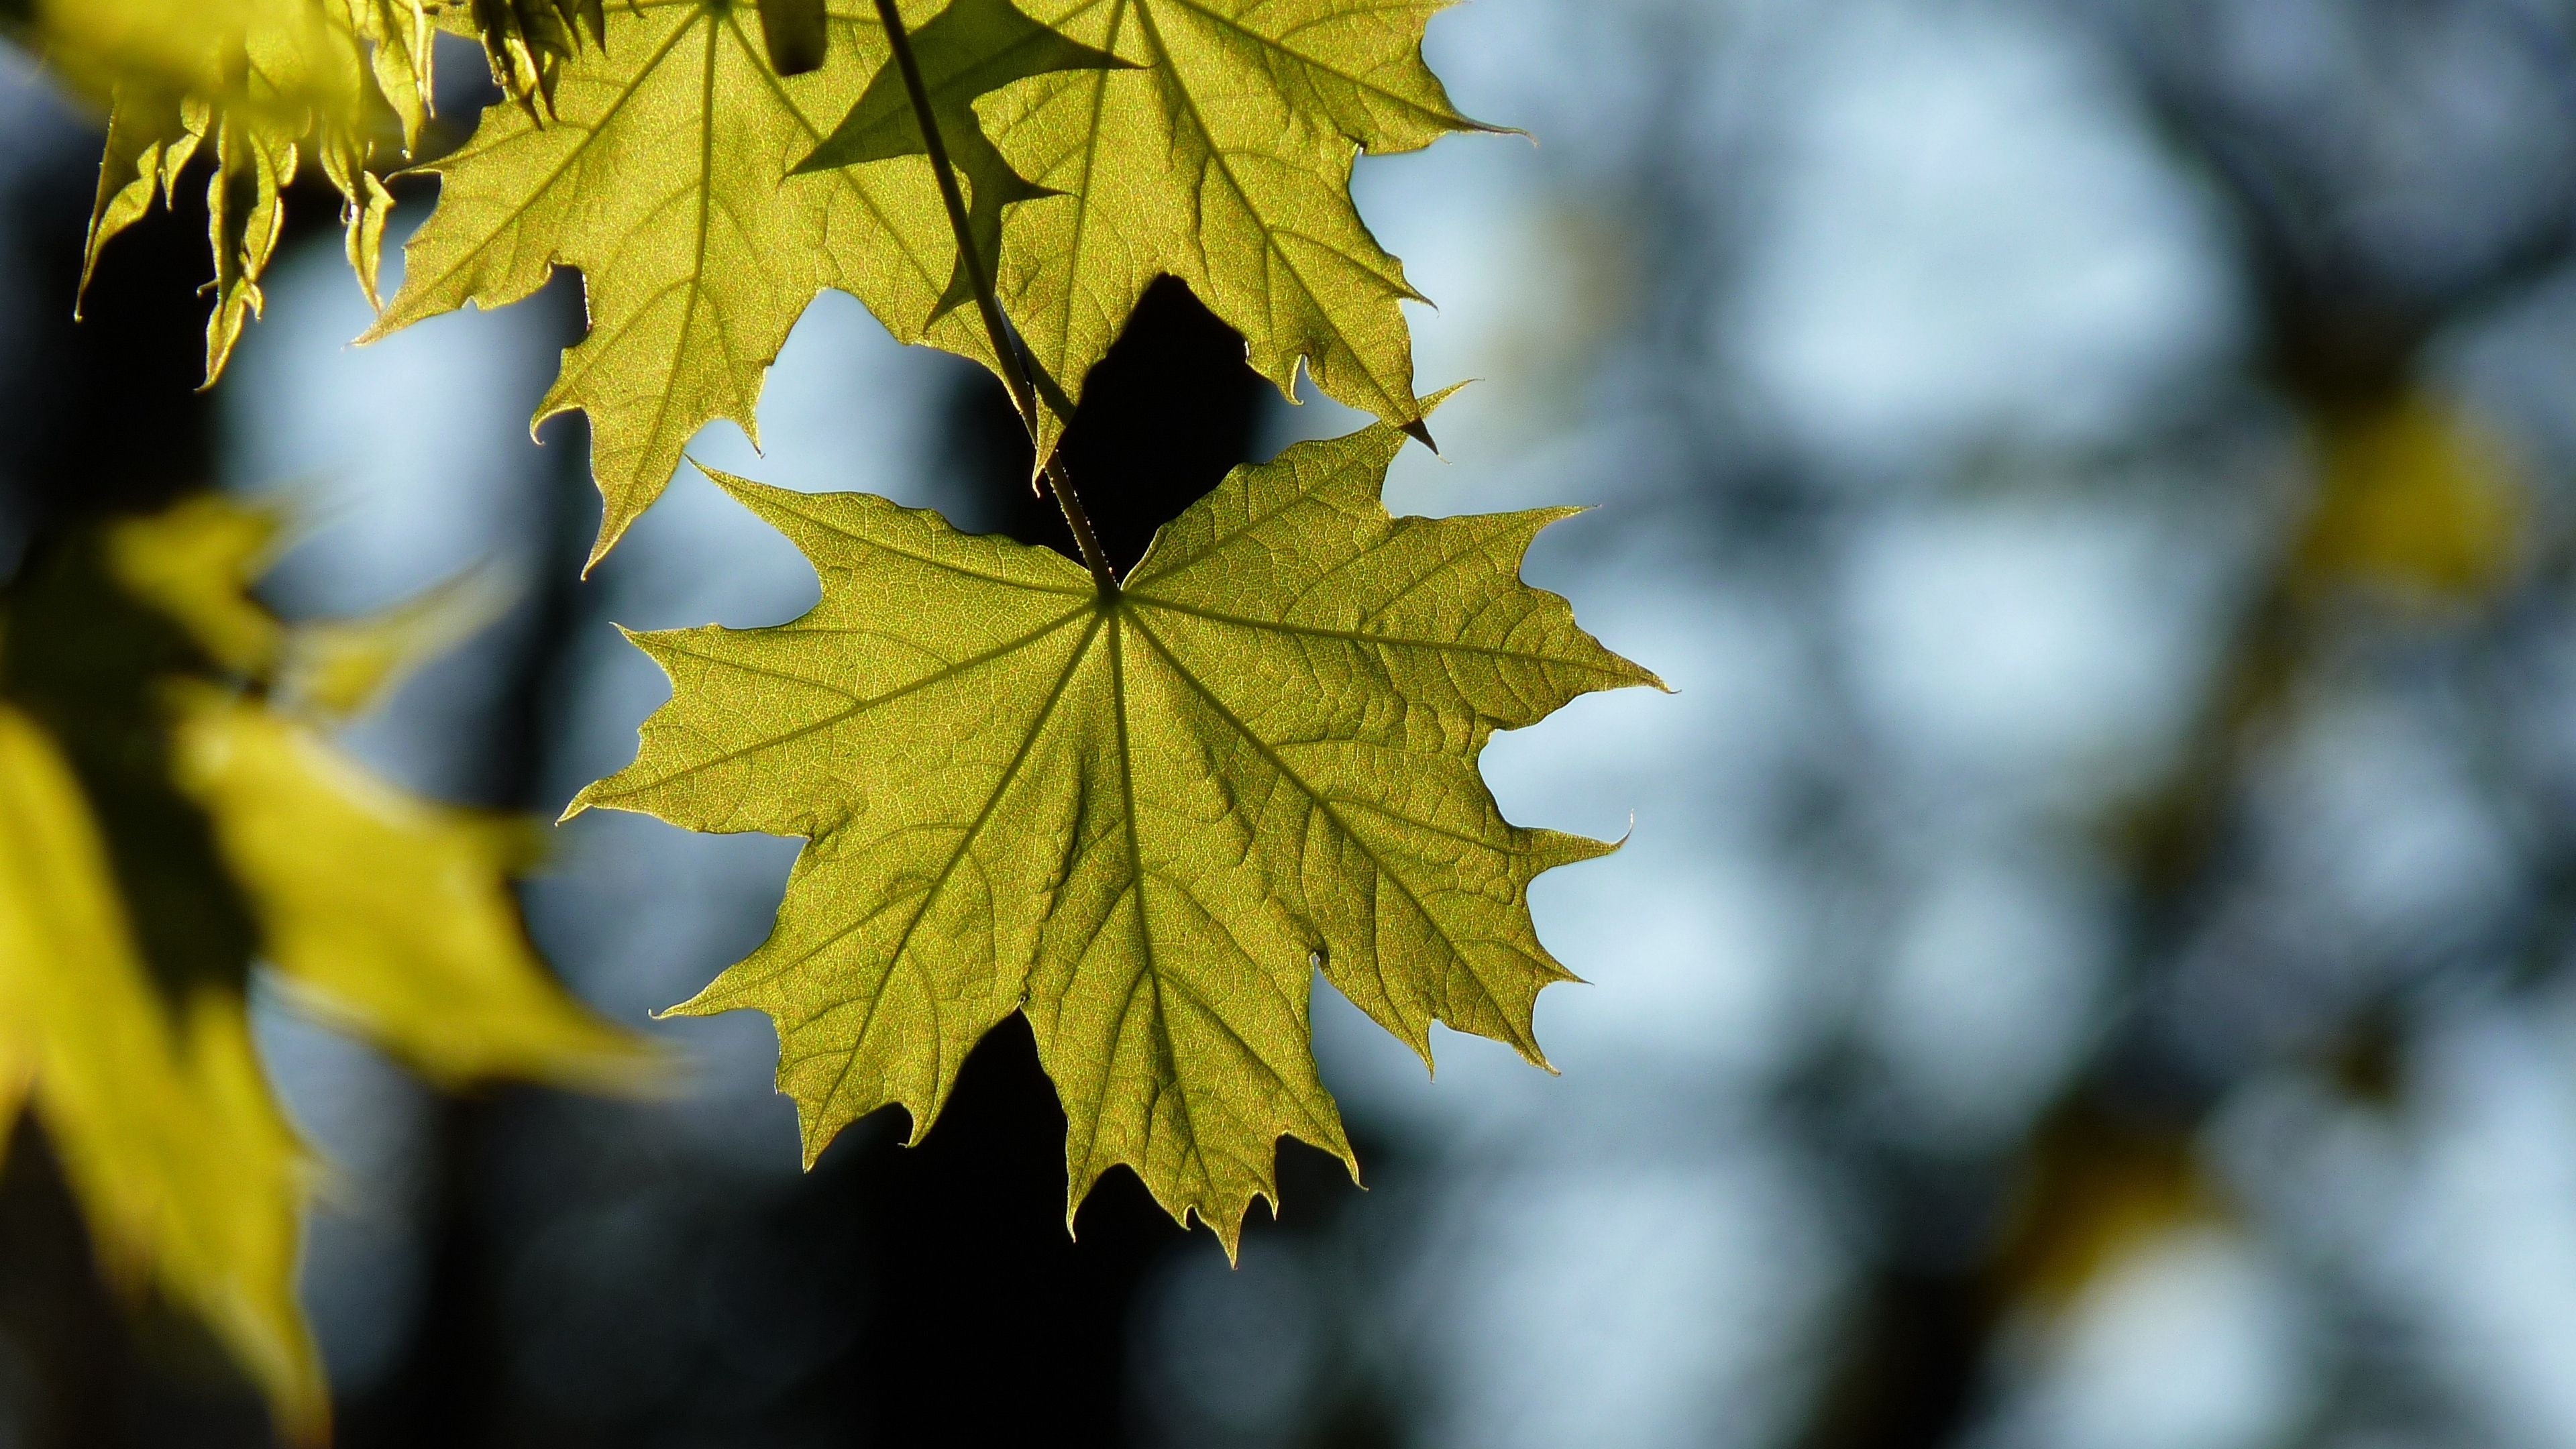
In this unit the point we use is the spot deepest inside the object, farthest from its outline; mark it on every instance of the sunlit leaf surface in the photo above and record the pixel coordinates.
(258, 89)
(1145, 819)
(706, 199)
(661, 173)
(1222, 157)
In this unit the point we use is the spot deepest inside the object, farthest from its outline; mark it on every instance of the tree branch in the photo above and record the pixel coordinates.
(1014, 367)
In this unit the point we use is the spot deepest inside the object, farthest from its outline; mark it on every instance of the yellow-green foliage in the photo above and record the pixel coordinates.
(171, 818)
(1212, 140)
(1143, 813)
(1222, 155)
(257, 87)
(661, 172)
(1142, 818)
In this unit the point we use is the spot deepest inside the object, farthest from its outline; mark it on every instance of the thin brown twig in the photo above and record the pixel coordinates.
(1014, 367)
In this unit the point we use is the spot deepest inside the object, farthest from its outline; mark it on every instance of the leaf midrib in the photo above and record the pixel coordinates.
(855, 708)
(965, 841)
(1357, 636)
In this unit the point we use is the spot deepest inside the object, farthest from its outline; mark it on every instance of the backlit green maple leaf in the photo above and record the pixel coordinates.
(660, 176)
(171, 813)
(1223, 158)
(1142, 818)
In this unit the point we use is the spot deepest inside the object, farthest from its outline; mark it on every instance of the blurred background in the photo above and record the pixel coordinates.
(2091, 962)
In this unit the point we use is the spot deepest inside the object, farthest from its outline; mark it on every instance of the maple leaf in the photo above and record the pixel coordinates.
(1142, 817)
(170, 813)
(658, 176)
(1221, 154)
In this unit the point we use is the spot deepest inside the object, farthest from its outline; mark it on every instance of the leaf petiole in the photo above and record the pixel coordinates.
(1014, 366)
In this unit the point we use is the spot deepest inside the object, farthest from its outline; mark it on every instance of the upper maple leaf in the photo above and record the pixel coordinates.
(162, 826)
(1222, 156)
(659, 174)
(1100, 145)
(1143, 817)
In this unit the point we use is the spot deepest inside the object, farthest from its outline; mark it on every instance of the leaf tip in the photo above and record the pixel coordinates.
(613, 523)
(1639, 676)
(698, 1005)
(1419, 427)
(1465, 125)
(742, 489)
(814, 1134)
(1418, 1037)
(388, 321)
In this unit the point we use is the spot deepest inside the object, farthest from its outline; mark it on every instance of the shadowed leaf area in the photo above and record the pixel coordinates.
(1143, 819)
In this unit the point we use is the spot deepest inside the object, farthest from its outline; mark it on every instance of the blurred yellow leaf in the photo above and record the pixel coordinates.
(194, 563)
(162, 832)
(188, 47)
(390, 916)
(340, 666)
(2420, 498)
(155, 1106)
